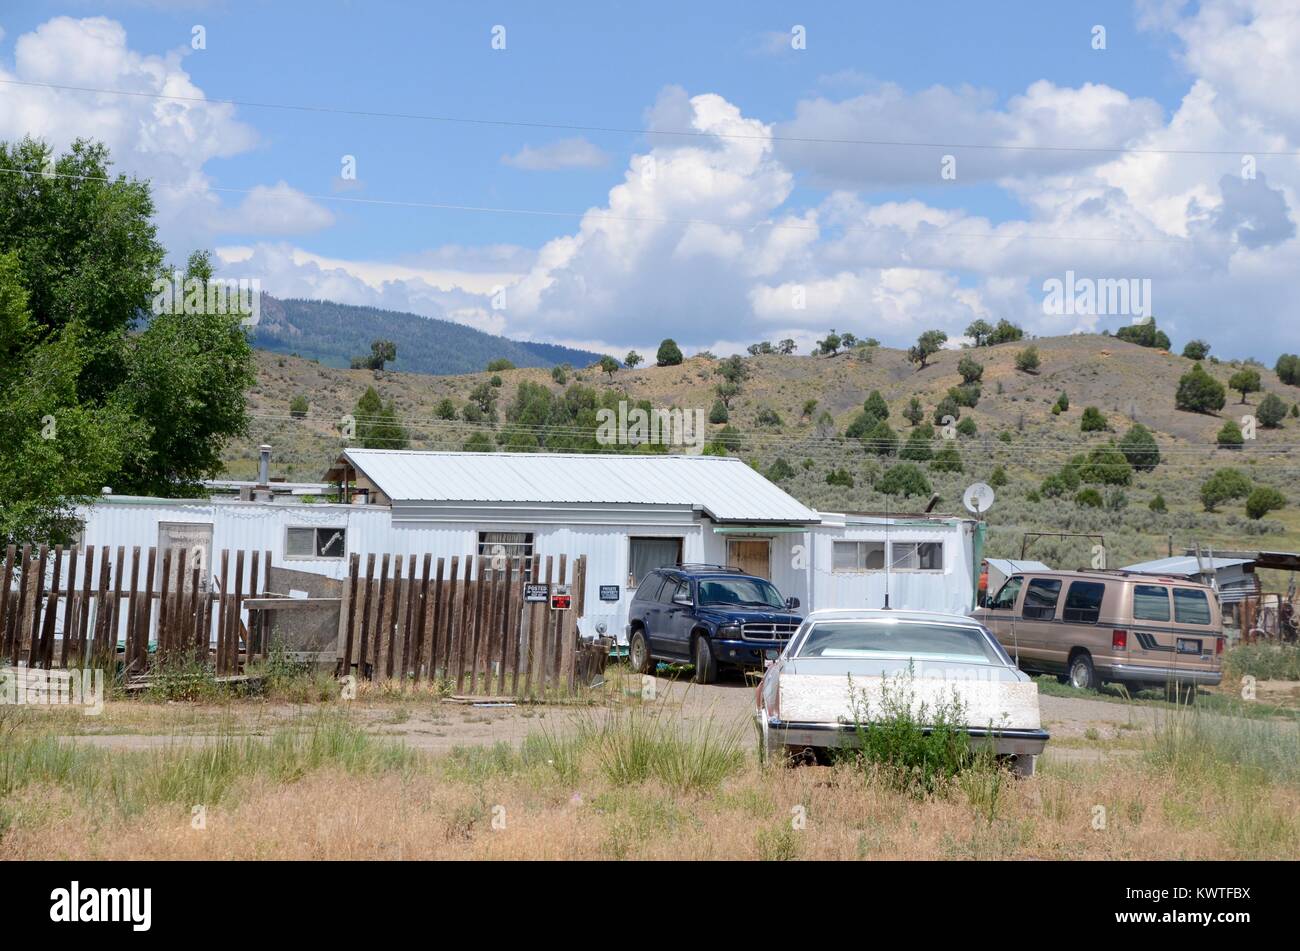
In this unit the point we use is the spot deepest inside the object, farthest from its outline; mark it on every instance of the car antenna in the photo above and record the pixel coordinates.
(888, 553)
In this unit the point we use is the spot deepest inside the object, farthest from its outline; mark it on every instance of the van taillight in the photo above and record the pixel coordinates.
(1119, 640)
(1218, 645)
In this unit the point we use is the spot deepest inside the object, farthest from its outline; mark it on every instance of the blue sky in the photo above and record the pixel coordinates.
(949, 72)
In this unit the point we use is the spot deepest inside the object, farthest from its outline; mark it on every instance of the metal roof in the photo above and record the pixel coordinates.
(725, 488)
(1009, 566)
(1184, 565)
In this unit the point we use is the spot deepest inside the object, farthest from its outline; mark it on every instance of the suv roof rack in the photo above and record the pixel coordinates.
(696, 565)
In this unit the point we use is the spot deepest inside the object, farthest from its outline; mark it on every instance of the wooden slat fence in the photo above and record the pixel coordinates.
(104, 608)
(461, 620)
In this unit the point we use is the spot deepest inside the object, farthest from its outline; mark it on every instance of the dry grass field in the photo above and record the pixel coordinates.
(410, 776)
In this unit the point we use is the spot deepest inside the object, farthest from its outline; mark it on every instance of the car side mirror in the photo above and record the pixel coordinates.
(791, 603)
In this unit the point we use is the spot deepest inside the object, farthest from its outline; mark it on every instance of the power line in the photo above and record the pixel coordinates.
(638, 219)
(623, 130)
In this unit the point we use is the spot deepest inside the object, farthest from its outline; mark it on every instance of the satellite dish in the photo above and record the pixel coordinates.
(978, 497)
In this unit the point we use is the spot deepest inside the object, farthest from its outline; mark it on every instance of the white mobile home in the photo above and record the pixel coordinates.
(626, 513)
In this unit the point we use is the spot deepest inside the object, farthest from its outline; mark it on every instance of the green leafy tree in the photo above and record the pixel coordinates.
(875, 405)
(298, 407)
(727, 391)
(609, 366)
(840, 477)
(1145, 334)
(446, 409)
(968, 394)
(904, 479)
(947, 459)
(967, 427)
(1093, 421)
(1223, 486)
(669, 354)
(947, 407)
(917, 447)
(1005, 332)
(787, 346)
(1196, 350)
(1246, 380)
(633, 360)
(382, 352)
(1230, 436)
(1262, 500)
(1271, 411)
(780, 470)
(1106, 465)
(980, 331)
(1287, 368)
(1140, 449)
(1062, 402)
(915, 412)
(971, 370)
(880, 439)
(1198, 392)
(830, 344)
(719, 413)
(998, 477)
(927, 345)
(377, 425)
(733, 369)
(494, 366)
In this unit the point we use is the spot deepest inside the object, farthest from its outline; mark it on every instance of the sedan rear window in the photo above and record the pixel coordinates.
(862, 638)
(1191, 606)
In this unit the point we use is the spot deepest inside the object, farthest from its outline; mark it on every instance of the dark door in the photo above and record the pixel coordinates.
(679, 616)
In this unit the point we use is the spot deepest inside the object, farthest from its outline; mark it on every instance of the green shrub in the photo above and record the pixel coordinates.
(1230, 436)
(1198, 392)
(840, 477)
(1262, 500)
(1089, 497)
(298, 407)
(1222, 486)
(1027, 360)
(1093, 421)
(947, 459)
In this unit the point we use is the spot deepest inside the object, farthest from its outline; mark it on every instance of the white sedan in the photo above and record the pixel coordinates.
(845, 661)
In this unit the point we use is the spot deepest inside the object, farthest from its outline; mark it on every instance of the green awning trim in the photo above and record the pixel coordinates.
(977, 560)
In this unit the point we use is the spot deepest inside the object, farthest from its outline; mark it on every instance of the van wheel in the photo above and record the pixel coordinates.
(1082, 675)
(638, 652)
(706, 665)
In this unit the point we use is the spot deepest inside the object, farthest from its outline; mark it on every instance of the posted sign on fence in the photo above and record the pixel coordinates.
(536, 593)
(561, 598)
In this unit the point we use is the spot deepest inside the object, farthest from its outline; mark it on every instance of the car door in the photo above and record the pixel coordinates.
(679, 614)
(1036, 628)
(998, 611)
(645, 604)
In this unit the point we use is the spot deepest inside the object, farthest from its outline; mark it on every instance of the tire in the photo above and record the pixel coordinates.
(638, 653)
(1082, 675)
(706, 665)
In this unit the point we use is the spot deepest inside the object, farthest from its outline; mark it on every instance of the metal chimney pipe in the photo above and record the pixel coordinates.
(264, 465)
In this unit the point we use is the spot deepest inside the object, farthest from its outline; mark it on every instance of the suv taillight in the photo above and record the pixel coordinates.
(1119, 640)
(1218, 645)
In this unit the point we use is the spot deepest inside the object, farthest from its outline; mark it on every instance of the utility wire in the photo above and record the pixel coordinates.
(623, 130)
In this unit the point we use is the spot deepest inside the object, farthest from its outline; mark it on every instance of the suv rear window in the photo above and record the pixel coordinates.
(1191, 606)
(649, 587)
(1083, 602)
(1040, 599)
(1150, 602)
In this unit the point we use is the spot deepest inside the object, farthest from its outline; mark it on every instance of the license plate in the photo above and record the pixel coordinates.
(1188, 646)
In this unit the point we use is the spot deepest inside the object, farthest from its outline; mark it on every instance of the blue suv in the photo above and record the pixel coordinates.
(708, 615)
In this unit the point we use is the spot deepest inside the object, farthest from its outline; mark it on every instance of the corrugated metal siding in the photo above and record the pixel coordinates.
(949, 590)
(726, 488)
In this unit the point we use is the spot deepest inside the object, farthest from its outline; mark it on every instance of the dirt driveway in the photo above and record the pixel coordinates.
(438, 727)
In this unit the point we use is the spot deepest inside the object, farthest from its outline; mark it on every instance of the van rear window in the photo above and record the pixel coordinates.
(1083, 603)
(1191, 606)
(1040, 599)
(1150, 602)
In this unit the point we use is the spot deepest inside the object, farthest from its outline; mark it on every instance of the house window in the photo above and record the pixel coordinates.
(517, 546)
(315, 542)
(645, 554)
(917, 556)
(858, 556)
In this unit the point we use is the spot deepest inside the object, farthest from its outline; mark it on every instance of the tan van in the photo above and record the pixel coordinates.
(1092, 626)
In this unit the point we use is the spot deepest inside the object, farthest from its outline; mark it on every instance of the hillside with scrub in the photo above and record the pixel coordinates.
(1081, 433)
